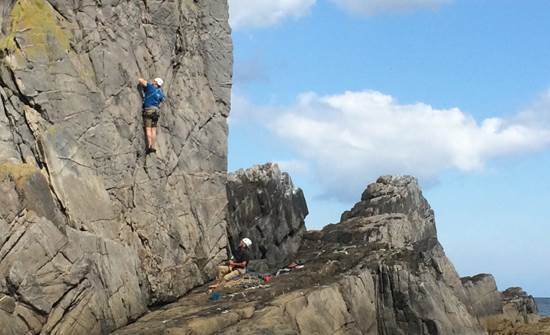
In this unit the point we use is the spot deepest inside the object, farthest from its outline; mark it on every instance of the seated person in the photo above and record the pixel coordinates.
(237, 265)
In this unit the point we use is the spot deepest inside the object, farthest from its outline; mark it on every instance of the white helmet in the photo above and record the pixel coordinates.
(247, 242)
(159, 81)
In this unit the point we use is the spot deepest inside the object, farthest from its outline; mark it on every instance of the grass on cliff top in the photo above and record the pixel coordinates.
(38, 25)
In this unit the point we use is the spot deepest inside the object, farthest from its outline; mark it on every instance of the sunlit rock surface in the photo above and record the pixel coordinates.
(92, 231)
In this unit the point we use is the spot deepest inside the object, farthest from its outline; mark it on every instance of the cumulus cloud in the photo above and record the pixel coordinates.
(373, 7)
(348, 140)
(263, 13)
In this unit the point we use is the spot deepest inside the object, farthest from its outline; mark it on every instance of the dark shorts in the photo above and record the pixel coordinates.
(150, 117)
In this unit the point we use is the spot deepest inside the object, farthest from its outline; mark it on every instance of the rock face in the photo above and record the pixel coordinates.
(483, 295)
(519, 315)
(518, 305)
(329, 309)
(265, 206)
(379, 271)
(519, 296)
(417, 288)
(91, 230)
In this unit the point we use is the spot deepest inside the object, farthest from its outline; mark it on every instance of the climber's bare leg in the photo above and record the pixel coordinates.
(149, 135)
(153, 137)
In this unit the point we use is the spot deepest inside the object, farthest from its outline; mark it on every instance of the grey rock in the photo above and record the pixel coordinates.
(417, 288)
(32, 320)
(343, 307)
(265, 206)
(518, 294)
(483, 295)
(62, 273)
(379, 271)
(518, 315)
(398, 214)
(7, 303)
(519, 306)
(92, 231)
(12, 325)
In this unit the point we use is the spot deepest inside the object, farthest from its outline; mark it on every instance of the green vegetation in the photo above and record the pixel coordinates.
(17, 172)
(37, 24)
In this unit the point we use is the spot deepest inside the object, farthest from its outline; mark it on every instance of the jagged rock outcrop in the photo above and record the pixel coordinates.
(92, 231)
(519, 296)
(518, 316)
(379, 271)
(509, 312)
(519, 306)
(418, 289)
(483, 295)
(265, 206)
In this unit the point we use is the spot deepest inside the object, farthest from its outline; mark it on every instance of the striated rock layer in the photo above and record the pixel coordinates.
(91, 230)
(483, 296)
(417, 288)
(519, 315)
(265, 206)
(379, 271)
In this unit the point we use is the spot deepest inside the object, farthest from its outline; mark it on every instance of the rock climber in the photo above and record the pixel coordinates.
(237, 265)
(152, 98)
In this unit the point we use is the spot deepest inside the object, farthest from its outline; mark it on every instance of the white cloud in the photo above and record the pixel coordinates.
(263, 13)
(350, 139)
(373, 7)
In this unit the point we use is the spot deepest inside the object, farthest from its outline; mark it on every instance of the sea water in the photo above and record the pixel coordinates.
(544, 306)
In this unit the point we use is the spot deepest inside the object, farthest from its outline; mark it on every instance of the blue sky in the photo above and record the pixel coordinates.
(456, 93)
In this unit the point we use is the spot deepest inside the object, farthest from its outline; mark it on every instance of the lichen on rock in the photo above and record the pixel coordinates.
(92, 231)
(35, 28)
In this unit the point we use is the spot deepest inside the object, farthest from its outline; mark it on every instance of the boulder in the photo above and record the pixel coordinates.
(265, 206)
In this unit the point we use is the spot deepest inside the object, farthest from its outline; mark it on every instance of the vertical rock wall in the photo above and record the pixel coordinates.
(265, 206)
(92, 230)
(483, 296)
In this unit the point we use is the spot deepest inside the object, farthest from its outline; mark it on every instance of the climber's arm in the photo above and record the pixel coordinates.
(240, 265)
(142, 82)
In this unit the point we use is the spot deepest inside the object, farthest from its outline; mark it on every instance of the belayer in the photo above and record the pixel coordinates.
(152, 98)
(236, 266)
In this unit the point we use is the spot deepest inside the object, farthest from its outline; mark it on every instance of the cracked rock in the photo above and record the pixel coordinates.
(92, 231)
(265, 206)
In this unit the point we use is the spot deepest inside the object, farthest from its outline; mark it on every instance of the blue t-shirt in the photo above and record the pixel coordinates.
(153, 96)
